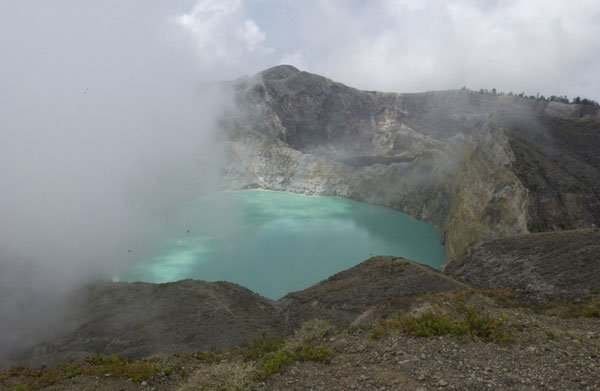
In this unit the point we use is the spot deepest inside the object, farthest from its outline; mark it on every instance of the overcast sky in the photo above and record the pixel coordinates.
(546, 46)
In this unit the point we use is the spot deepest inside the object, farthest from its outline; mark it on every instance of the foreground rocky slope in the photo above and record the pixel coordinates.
(555, 347)
(477, 166)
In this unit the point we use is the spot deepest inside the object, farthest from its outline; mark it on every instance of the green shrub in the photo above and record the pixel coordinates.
(313, 354)
(261, 347)
(487, 328)
(590, 312)
(309, 332)
(586, 309)
(430, 325)
(274, 363)
(117, 366)
(465, 321)
(205, 357)
(277, 361)
(224, 376)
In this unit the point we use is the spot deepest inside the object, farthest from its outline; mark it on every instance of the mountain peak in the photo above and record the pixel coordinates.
(279, 72)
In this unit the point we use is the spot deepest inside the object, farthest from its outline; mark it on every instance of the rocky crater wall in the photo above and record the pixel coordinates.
(477, 166)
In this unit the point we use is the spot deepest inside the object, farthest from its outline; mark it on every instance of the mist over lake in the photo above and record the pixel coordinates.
(284, 242)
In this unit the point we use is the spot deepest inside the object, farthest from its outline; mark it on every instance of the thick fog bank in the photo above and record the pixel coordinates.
(105, 129)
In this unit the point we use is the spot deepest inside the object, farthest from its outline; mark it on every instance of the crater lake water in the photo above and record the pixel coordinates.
(277, 242)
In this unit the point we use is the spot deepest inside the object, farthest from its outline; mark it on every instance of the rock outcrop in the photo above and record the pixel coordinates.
(356, 293)
(551, 265)
(478, 166)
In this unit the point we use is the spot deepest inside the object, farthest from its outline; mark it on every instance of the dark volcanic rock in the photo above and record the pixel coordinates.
(140, 319)
(344, 296)
(558, 161)
(552, 265)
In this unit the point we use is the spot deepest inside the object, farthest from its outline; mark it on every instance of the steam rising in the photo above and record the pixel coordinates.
(105, 130)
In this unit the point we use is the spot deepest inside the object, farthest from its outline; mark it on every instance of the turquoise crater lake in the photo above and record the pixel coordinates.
(276, 242)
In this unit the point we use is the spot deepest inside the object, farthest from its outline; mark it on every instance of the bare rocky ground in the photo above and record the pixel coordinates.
(551, 265)
(552, 346)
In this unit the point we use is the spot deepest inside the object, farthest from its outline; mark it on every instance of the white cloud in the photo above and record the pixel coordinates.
(222, 35)
(252, 37)
(296, 58)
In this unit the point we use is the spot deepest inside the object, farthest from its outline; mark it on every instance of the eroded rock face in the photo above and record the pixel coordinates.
(477, 166)
(550, 265)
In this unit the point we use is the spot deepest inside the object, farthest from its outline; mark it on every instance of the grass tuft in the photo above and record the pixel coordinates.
(466, 321)
(224, 376)
(115, 365)
(260, 347)
(205, 357)
(277, 361)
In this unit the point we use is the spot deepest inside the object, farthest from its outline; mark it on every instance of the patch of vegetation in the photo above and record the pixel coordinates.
(586, 309)
(18, 370)
(201, 356)
(589, 308)
(589, 312)
(273, 355)
(97, 365)
(120, 367)
(205, 357)
(225, 376)
(277, 361)
(485, 327)
(431, 324)
(310, 332)
(466, 321)
(273, 363)
(259, 348)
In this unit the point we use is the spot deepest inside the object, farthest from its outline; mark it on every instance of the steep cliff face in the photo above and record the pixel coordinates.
(489, 200)
(477, 166)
